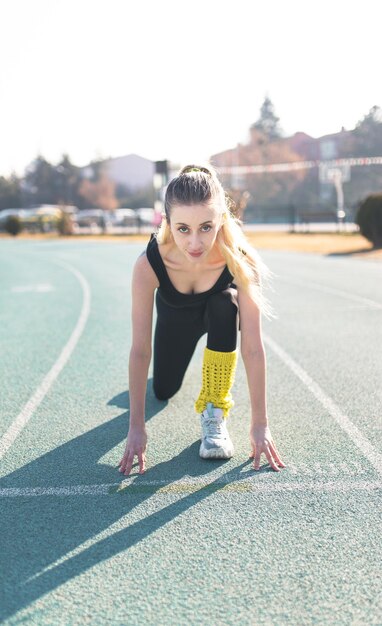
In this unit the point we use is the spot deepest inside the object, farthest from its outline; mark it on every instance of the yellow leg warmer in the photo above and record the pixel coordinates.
(218, 376)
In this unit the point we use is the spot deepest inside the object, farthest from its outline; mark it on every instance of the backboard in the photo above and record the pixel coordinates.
(329, 172)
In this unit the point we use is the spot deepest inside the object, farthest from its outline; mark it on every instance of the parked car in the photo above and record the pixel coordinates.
(123, 217)
(42, 218)
(90, 218)
(48, 211)
(70, 209)
(5, 213)
(146, 215)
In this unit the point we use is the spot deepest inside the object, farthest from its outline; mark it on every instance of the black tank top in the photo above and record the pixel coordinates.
(166, 290)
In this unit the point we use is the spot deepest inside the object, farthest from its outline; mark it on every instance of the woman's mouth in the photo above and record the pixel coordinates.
(196, 254)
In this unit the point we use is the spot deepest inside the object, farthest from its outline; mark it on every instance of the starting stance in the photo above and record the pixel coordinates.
(208, 279)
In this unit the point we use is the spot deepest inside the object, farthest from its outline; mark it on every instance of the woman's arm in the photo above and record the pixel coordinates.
(253, 355)
(144, 283)
(143, 286)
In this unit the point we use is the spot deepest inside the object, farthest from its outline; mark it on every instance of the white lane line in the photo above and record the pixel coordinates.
(23, 417)
(164, 486)
(325, 471)
(342, 420)
(337, 292)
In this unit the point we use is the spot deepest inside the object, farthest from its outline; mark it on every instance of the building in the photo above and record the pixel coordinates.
(299, 146)
(132, 171)
(259, 151)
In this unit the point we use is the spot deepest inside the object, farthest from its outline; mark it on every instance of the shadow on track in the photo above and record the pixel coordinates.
(42, 530)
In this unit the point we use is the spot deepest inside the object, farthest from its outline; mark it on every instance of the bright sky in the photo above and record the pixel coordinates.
(178, 80)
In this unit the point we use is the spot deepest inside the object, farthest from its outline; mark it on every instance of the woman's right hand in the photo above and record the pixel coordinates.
(135, 446)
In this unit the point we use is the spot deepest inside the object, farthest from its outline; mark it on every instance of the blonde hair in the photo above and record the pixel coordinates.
(197, 184)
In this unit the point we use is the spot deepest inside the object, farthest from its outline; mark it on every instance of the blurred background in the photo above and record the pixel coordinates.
(103, 102)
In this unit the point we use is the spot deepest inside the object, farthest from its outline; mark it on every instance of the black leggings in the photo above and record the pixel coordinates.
(178, 331)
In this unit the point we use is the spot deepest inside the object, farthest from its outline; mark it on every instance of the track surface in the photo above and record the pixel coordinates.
(191, 541)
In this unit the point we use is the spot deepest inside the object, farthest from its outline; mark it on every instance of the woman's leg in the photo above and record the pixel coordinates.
(175, 340)
(220, 355)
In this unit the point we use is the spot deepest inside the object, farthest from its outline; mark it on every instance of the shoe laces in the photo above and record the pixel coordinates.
(213, 426)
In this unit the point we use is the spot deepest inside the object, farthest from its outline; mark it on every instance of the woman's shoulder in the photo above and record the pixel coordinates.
(165, 248)
(167, 251)
(144, 272)
(153, 243)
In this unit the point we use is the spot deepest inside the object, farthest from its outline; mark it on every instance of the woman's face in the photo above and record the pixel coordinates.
(194, 229)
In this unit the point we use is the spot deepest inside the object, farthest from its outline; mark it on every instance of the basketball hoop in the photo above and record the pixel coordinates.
(335, 174)
(331, 172)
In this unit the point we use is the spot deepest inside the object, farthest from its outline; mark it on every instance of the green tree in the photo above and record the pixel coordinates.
(13, 225)
(45, 183)
(268, 122)
(66, 182)
(39, 182)
(366, 138)
(369, 219)
(364, 141)
(10, 192)
(65, 224)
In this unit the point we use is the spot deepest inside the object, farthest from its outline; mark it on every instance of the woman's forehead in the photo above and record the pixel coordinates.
(194, 213)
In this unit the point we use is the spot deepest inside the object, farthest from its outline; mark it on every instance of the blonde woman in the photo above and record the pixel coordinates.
(206, 277)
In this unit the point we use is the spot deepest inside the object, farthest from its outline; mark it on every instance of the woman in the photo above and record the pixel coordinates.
(192, 261)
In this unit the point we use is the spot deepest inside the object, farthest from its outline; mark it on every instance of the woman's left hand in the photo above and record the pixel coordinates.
(262, 443)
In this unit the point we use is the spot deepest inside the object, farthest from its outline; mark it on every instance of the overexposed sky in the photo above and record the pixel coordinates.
(178, 80)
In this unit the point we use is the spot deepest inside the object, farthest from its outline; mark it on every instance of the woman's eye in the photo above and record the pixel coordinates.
(204, 229)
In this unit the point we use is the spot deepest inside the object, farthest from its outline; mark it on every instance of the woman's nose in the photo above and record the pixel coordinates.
(194, 242)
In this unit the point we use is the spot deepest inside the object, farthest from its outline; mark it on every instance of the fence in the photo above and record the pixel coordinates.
(297, 218)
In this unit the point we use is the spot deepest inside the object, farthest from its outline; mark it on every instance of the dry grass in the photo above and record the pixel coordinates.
(346, 243)
(318, 243)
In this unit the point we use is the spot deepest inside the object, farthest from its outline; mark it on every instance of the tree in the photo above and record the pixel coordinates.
(366, 138)
(269, 187)
(364, 141)
(99, 193)
(67, 180)
(13, 225)
(10, 192)
(45, 183)
(268, 121)
(369, 219)
(65, 223)
(39, 186)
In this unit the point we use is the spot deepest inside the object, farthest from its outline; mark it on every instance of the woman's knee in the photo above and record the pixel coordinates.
(163, 392)
(223, 301)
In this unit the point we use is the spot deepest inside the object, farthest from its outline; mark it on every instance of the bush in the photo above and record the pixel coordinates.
(13, 225)
(65, 224)
(369, 219)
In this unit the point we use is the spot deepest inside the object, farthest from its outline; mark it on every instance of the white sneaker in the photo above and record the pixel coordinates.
(216, 442)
